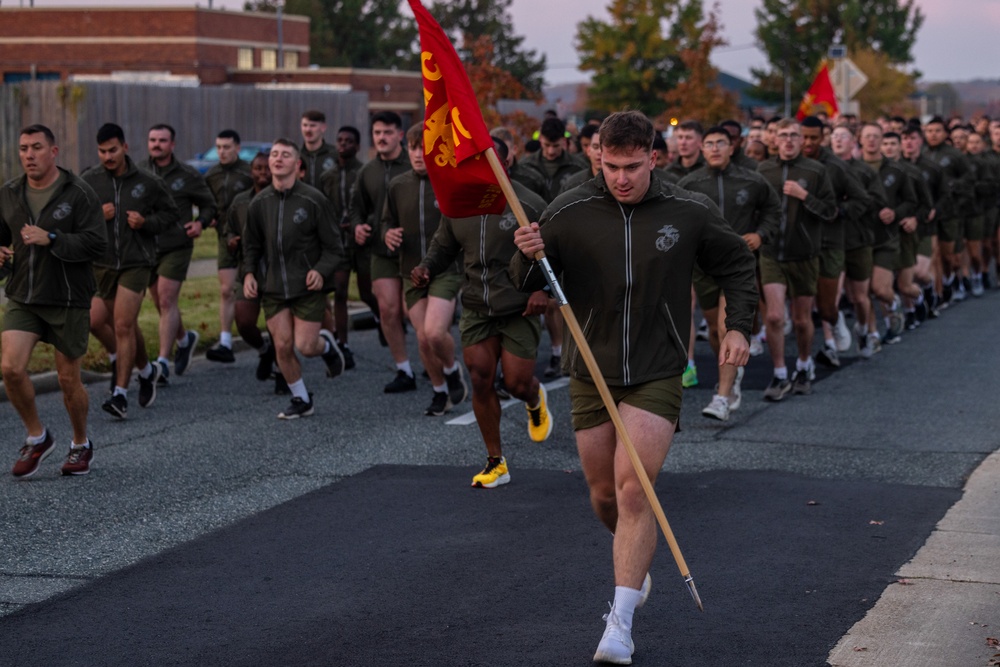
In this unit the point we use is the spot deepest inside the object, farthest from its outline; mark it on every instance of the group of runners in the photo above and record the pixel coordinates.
(785, 220)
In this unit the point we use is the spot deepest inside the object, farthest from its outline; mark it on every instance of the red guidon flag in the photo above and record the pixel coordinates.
(455, 135)
(819, 97)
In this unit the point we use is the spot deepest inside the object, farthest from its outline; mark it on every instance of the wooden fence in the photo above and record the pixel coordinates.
(74, 112)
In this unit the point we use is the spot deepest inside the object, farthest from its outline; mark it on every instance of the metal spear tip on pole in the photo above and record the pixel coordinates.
(689, 580)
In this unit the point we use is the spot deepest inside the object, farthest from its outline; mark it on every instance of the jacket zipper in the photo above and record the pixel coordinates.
(626, 320)
(118, 249)
(281, 245)
(784, 215)
(482, 261)
(423, 230)
(722, 196)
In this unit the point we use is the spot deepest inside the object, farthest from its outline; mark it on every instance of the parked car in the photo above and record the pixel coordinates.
(248, 150)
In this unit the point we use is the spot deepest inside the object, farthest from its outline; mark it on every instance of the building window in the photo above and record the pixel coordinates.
(244, 58)
(268, 59)
(291, 60)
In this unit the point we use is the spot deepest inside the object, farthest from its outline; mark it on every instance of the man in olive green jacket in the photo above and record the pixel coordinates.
(626, 244)
(52, 227)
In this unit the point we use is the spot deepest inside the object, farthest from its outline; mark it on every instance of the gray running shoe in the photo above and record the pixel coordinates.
(801, 383)
(777, 390)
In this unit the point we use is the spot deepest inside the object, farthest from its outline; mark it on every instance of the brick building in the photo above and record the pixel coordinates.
(203, 46)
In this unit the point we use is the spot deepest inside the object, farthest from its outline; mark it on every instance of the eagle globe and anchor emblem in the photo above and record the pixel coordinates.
(669, 236)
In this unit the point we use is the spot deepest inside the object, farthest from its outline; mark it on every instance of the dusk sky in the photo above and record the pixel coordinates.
(958, 41)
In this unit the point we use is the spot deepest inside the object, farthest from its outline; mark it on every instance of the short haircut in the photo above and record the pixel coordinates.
(164, 126)
(891, 135)
(261, 155)
(553, 129)
(692, 126)
(502, 133)
(110, 131)
(627, 130)
(415, 135)
(501, 147)
(936, 120)
(735, 125)
(718, 129)
(812, 121)
(783, 123)
(229, 134)
(388, 118)
(350, 129)
(38, 128)
(898, 119)
(659, 143)
(870, 123)
(314, 115)
(911, 130)
(281, 141)
(532, 146)
(588, 130)
(773, 120)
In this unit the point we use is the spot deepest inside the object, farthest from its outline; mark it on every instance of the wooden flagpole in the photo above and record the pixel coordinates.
(595, 373)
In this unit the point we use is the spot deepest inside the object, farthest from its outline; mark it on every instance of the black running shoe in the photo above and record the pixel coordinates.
(440, 404)
(221, 354)
(334, 359)
(348, 356)
(555, 367)
(911, 323)
(164, 373)
(280, 385)
(182, 357)
(297, 408)
(147, 387)
(116, 406)
(402, 382)
(501, 387)
(458, 391)
(265, 360)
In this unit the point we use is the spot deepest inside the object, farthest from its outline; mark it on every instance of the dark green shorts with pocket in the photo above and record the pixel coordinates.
(67, 329)
(308, 308)
(659, 397)
(135, 279)
(518, 334)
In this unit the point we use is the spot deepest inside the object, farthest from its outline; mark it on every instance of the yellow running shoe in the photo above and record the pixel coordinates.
(494, 474)
(539, 419)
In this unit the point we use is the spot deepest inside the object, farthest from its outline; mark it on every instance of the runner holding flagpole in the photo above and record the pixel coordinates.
(456, 135)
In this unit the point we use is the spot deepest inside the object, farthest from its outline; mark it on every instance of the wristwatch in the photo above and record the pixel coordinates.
(52, 238)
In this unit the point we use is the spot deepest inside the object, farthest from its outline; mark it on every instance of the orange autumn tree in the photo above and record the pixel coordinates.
(490, 82)
(699, 94)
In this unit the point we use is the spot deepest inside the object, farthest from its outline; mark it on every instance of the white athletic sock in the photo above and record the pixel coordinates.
(121, 391)
(830, 342)
(298, 388)
(79, 445)
(451, 369)
(112, 357)
(183, 340)
(162, 360)
(405, 367)
(144, 373)
(557, 350)
(226, 339)
(38, 439)
(802, 365)
(781, 373)
(920, 299)
(326, 345)
(441, 389)
(626, 600)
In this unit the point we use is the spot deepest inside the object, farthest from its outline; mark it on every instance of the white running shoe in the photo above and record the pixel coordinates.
(717, 409)
(841, 334)
(756, 346)
(736, 395)
(616, 645)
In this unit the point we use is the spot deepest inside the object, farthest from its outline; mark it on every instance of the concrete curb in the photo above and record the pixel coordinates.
(943, 609)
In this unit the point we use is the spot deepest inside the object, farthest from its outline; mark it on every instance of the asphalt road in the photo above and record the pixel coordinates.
(209, 532)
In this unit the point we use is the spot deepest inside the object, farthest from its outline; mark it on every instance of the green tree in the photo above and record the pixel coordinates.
(354, 33)
(466, 21)
(636, 55)
(798, 32)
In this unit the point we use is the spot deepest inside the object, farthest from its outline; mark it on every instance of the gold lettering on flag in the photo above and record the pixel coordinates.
(430, 75)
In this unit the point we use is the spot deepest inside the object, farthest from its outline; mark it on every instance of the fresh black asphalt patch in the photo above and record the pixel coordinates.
(405, 565)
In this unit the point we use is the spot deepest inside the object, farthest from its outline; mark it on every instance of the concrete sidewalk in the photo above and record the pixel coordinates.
(944, 611)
